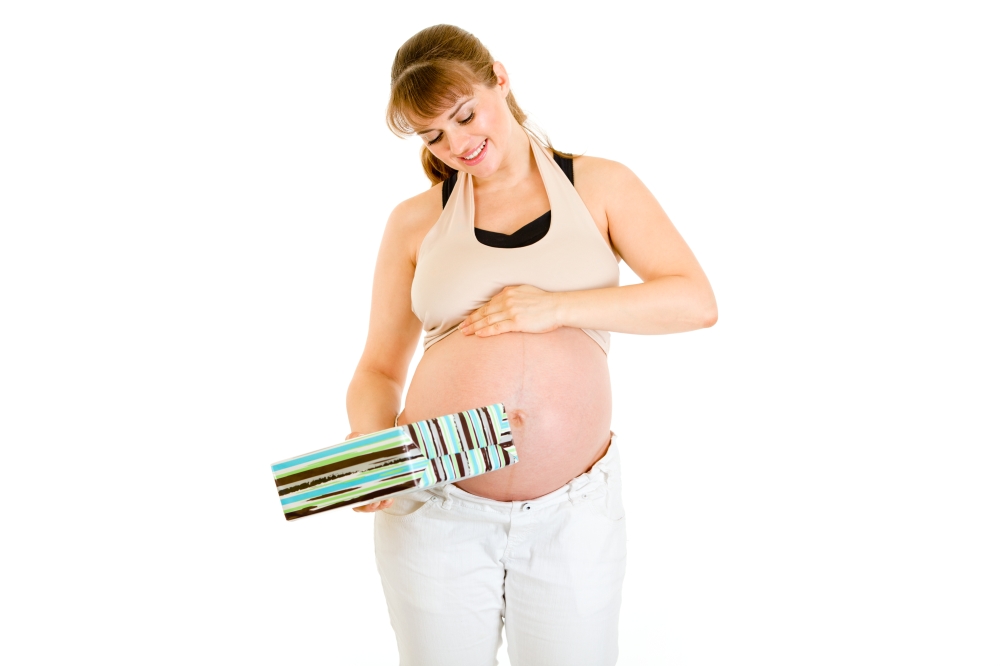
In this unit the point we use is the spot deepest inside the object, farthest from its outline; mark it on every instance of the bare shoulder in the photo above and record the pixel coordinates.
(603, 185)
(412, 218)
(600, 174)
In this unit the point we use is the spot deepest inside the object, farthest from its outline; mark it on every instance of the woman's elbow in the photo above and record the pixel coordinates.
(710, 316)
(693, 319)
(703, 311)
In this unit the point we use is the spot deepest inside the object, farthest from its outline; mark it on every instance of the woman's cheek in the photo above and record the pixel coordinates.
(438, 152)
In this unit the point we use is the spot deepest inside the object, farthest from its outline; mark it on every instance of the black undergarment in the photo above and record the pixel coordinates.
(530, 233)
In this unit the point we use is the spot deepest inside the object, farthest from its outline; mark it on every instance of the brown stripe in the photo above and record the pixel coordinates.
(484, 415)
(443, 448)
(320, 480)
(495, 429)
(349, 489)
(432, 448)
(456, 430)
(309, 510)
(397, 452)
(437, 466)
(436, 424)
(470, 441)
(504, 427)
(414, 435)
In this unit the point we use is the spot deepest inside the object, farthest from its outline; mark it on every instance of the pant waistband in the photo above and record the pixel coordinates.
(598, 475)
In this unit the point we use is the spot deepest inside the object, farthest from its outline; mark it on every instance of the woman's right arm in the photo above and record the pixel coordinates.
(376, 390)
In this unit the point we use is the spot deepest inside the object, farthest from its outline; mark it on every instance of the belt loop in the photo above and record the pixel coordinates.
(603, 467)
(448, 501)
(575, 488)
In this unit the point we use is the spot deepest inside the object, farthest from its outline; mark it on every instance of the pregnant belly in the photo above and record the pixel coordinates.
(557, 392)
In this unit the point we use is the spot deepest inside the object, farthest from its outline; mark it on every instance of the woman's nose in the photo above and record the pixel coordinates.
(461, 144)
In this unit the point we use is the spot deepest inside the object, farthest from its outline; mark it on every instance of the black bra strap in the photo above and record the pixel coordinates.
(565, 163)
(446, 188)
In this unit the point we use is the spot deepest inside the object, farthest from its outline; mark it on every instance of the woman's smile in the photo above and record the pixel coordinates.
(475, 156)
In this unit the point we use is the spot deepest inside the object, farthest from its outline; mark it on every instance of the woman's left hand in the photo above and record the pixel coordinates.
(524, 308)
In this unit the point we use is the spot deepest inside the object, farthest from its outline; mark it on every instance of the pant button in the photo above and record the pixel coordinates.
(526, 507)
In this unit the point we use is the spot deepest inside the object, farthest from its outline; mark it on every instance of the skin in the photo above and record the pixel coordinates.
(674, 295)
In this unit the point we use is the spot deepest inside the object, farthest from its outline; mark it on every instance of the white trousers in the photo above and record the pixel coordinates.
(456, 567)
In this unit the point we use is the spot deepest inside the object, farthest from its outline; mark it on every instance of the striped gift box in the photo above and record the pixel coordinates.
(394, 461)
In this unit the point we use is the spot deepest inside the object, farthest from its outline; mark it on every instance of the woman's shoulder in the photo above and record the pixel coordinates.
(599, 168)
(419, 207)
(602, 179)
(412, 218)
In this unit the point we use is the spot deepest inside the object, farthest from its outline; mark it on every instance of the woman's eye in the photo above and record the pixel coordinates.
(469, 119)
(435, 140)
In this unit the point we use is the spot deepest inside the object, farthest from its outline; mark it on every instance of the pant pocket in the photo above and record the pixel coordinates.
(602, 500)
(409, 504)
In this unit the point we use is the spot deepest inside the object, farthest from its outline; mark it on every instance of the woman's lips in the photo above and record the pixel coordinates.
(472, 161)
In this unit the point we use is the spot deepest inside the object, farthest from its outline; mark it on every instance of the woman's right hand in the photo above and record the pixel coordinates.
(374, 506)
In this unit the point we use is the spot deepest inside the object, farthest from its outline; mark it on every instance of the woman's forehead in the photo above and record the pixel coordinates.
(421, 124)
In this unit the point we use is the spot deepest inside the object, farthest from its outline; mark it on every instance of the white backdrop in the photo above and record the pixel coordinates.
(192, 196)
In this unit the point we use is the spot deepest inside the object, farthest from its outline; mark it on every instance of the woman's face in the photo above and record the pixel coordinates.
(474, 134)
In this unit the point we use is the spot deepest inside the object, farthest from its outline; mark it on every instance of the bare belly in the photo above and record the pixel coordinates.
(557, 392)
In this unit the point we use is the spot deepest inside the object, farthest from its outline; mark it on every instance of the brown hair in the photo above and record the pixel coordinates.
(433, 70)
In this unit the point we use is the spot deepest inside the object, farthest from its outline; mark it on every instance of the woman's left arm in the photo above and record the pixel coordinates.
(674, 296)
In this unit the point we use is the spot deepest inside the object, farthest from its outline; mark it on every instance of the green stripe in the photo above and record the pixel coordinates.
(359, 479)
(346, 497)
(345, 456)
(351, 453)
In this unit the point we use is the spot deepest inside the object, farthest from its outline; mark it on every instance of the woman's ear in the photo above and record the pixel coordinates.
(502, 79)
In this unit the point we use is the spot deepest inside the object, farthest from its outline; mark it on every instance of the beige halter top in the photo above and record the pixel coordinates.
(455, 273)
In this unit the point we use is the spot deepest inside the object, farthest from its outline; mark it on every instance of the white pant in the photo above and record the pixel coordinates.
(455, 566)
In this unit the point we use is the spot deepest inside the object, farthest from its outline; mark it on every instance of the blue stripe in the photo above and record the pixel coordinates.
(376, 475)
(476, 461)
(477, 424)
(426, 439)
(364, 440)
(448, 428)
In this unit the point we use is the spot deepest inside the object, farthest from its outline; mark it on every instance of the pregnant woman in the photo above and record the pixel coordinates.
(509, 266)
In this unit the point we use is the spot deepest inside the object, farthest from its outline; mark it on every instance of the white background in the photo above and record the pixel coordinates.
(192, 196)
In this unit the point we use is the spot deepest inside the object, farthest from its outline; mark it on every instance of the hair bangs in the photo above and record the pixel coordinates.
(424, 91)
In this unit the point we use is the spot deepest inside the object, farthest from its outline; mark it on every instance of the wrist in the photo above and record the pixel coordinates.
(561, 307)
